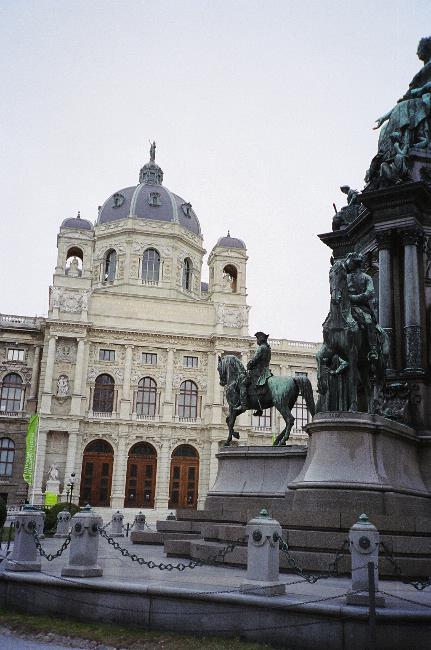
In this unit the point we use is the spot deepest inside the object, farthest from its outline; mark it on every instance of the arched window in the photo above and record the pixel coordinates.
(185, 450)
(103, 399)
(74, 261)
(230, 276)
(188, 400)
(11, 393)
(151, 265)
(147, 397)
(110, 266)
(7, 455)
(187, 274)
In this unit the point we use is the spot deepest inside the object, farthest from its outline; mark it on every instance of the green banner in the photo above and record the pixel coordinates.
(50, 498)
(30, 449)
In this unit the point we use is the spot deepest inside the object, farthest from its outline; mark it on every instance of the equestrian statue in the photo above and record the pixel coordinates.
(352, 361)
(256, 389)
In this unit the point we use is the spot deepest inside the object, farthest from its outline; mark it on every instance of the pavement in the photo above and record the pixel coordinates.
(223, 579)
(12, 642)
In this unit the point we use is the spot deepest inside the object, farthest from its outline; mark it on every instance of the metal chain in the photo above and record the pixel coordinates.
(48, 556)
(311, 578)
(419, 585)
(181, 566)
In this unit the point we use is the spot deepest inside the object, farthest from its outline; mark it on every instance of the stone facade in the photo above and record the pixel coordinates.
(129, 393)
(21, 340)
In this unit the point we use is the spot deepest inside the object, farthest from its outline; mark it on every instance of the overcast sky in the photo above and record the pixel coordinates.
(260, 110)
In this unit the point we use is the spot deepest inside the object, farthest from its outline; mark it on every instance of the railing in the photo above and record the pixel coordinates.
(145, 417)
(187, 419)
(150, 283)
(285, 343)
(12, 320)
(12, 414)
(101, 414)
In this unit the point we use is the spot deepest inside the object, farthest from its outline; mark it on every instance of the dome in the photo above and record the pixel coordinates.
(149, 200)
(230, 242)
(78, 223)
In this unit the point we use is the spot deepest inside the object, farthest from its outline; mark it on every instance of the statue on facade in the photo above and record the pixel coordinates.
(53, 473)
(62, 386)
(256, 389)
(355, 348)
(349, 212)
(406, 126)
(152, 152)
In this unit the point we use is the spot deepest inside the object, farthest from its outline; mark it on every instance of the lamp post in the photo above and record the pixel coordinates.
(69, 492)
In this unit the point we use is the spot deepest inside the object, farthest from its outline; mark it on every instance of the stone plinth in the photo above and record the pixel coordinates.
(359, 459)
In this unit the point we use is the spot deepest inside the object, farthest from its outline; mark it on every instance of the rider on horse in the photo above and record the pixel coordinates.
(257, 372)
(361, 293)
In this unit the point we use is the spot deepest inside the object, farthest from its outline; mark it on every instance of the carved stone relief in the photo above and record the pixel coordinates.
(66, 352)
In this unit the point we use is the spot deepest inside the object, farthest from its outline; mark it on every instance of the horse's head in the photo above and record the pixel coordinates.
(221, 371)
(229, 368)
(337, 281)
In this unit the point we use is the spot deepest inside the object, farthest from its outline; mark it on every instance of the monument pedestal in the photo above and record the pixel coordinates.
(360, 462)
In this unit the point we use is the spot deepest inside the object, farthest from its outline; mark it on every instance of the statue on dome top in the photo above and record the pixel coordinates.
(152, 151)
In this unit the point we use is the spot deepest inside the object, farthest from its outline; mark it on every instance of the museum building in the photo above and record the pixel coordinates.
(123, 371)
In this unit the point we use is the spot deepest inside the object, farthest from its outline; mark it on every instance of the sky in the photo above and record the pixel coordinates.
(260, 110)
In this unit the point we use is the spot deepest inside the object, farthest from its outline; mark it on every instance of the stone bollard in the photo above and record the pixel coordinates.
(24, 556)
(364, 540)
(263, 557)
(40, 523)
(117, 525)
(63, 524)
(84, 545)
(139, 523)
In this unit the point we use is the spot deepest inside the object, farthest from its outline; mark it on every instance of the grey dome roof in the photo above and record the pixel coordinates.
(230, 242)
(77, 222)
(149, 200)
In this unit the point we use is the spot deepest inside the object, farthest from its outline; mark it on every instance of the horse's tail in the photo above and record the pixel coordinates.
(306, 390)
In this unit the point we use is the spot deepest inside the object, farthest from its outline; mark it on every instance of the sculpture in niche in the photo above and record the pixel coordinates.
(62, 386)
(65, 352)
(53, 473)
(74, 270)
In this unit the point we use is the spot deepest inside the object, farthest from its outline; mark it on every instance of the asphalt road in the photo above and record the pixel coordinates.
(9, 642)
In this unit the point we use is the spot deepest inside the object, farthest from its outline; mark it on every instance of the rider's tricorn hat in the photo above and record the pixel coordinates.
(262, 335)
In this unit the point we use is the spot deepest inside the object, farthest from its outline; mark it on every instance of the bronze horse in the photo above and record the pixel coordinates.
(282, 392)
(343, 357)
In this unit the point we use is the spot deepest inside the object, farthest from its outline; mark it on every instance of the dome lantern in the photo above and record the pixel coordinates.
(150, 173)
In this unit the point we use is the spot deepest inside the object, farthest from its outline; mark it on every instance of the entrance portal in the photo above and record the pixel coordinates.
(183, 488)
(96, 477)
(141, 476)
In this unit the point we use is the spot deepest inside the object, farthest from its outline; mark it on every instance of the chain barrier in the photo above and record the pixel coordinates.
(310, 577)
(162, 566)
(419, 585)
(48, 556)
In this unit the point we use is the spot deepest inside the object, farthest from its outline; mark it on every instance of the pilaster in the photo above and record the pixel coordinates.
(163, 476)
(45, 406)
(78, 378)
(168, 406)
(411, 239)
(125, 403)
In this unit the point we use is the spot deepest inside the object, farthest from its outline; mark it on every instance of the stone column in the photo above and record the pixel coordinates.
(217, 394)
(213, 463)
(49, 371)
(163, 476)
(125, 405)
(77, 381)
(71, 463)
(412, 316)
(39, 466)
(386, 319)
(119, 471)
(35, 372)
(168, 406)
(204, 473)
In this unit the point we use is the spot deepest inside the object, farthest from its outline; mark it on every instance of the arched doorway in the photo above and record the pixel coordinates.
(141, 476)
(96, 477)
(184, 483)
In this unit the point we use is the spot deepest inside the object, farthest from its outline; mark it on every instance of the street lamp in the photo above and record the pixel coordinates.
(69, 492)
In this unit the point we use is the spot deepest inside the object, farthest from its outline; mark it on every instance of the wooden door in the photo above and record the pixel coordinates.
(96, 479)
(140, 482)
(183, 489)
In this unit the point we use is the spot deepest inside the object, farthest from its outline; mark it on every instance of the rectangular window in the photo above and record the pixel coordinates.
(264, 421)
(15, 355)
(149, 358)
(106, 355)
(300, 413)
(190, 362)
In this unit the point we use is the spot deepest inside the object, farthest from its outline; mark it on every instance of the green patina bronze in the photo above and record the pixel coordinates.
(256, 389)
(355, 348)
(405, 127)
